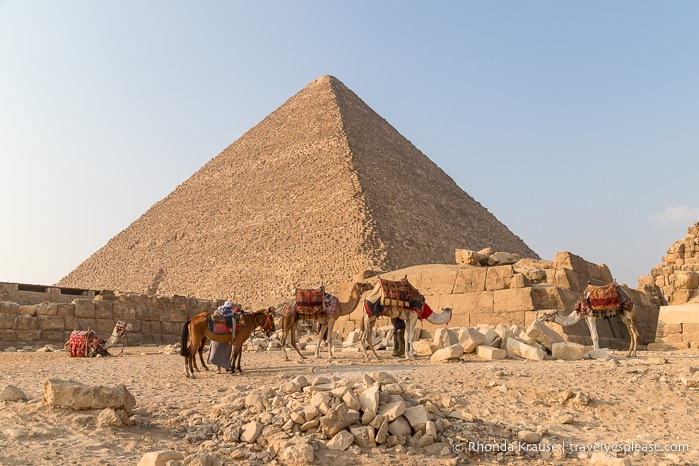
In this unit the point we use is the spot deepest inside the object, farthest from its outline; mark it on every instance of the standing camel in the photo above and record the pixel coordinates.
(410, 317)
(410, 312)
(197, 328)
(290, 317)
(618, 304)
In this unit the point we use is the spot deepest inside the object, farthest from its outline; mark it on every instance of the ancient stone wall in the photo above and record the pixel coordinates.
(155, 319)
(678, 326)
(22, 293)
(677, 277)
(515, 293)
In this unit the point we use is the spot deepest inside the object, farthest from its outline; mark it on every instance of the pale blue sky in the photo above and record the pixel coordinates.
(575, 123)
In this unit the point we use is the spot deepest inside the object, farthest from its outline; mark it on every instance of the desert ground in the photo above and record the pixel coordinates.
(640, 410)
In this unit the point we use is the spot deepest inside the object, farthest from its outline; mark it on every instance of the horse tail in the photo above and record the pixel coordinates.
(184, 344)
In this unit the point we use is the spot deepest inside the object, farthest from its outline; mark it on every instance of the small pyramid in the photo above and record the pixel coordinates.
(320, 190)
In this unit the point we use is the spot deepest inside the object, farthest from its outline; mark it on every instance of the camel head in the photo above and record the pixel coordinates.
(547, 316)
(363, 287)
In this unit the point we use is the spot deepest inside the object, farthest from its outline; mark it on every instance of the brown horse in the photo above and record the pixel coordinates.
(197, 329)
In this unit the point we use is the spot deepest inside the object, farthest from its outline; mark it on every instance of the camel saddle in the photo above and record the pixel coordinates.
(400, 293)
(604, 301)
(310, 300)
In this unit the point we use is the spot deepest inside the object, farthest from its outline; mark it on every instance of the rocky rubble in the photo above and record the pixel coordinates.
(293, 422)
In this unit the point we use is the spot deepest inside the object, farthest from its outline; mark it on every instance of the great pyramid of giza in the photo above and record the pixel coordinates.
(320, 190)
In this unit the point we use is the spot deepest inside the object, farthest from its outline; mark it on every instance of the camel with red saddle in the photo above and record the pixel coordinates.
(398, 299)
(599, 302)
(317, 305)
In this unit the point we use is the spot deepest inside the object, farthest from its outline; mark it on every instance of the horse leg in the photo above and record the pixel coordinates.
(590, 319)
(201, 355)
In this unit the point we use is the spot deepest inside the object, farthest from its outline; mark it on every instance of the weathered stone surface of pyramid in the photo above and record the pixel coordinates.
(320, 190)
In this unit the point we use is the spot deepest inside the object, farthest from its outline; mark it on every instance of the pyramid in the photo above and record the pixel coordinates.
(320, 190)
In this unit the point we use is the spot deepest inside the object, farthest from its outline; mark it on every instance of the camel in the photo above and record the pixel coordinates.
(86, 343)
(290, 317)
(584, 310)
(197, 328)
(409, 315)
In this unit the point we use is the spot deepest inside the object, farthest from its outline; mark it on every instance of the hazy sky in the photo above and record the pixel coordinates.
(575, 123)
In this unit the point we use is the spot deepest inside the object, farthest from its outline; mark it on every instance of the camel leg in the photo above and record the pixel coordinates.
(330, 324)
(292, 329)
(285, 332)
(629, 320)
(410, 337)
(591, 324)
(320, 338)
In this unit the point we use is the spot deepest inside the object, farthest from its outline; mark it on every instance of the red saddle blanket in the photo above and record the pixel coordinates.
(310, 299)
(219, 328)
(84, 343)
(603, 297)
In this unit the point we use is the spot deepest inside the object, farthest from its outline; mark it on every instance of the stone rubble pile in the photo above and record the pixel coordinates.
(378, 414)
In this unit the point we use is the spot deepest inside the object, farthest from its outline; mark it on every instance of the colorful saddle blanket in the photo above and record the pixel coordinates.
(604, 301)
(310, 300)
(400, 293)
(397, 294)
(84, 343)
(221, 328)
(330, 307)
(603, 297)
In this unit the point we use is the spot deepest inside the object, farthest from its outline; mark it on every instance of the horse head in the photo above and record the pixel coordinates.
(269, 327)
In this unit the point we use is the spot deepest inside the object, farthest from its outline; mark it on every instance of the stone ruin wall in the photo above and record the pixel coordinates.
(490, 292)
(156, 319)
(515, 293)
(677, 277)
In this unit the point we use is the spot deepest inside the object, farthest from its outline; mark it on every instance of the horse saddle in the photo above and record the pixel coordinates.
(221, 325)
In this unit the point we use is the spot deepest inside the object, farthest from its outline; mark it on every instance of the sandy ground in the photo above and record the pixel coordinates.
(635, 404)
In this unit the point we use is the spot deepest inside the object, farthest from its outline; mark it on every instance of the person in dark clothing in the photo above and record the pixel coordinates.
(398, 337)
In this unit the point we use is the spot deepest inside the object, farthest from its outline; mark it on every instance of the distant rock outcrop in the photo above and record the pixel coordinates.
(676, 280)
(320, 190)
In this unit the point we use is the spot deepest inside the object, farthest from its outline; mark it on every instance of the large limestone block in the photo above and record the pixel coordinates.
(568, 260)
(470, 280)
(494, 318)
(444, 337)
(75, 395)
(84, 308)
(567, 351)
(51, 323)
(470, 338)
(517, 299)
(439, 282)
(498, 277)
(488, 352)
(543, 334)
(448, 353)
(160, 458)
(467, 257)
(422, 347)
(520, 349)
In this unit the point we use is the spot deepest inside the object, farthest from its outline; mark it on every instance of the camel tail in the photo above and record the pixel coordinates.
(185, 339)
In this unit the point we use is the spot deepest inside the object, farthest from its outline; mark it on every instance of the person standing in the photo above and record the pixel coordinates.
(398, 337)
